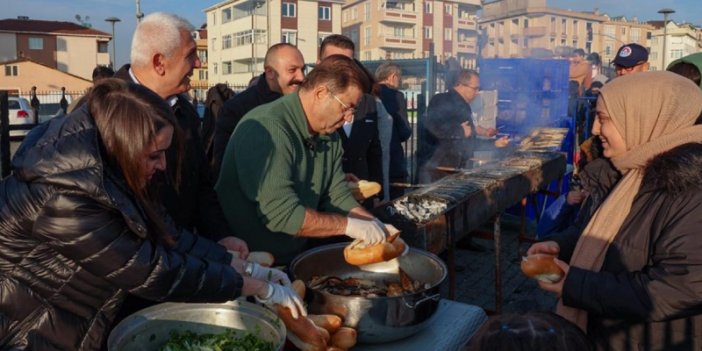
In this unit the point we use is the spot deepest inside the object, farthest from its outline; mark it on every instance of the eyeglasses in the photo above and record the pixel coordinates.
(345, 108)
(466, 85)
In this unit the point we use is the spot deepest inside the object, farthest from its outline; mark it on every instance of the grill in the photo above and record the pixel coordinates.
(435, 216)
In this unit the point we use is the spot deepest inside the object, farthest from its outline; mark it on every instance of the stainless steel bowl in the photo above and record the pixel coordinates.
(376, 319)
(150, 328)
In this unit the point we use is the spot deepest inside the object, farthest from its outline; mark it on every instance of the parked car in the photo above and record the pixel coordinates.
(49, 110)
(20, 112)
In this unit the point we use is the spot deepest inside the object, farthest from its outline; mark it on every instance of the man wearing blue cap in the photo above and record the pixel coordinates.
(631, 58)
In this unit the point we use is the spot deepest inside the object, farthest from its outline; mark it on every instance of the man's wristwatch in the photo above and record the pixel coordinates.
(248, 268)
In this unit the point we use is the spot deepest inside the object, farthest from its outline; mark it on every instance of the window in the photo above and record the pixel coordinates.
(325, 13)
(635, 34)
(428, 7)
(526, 23)
(367, 55)
(214, 68)
(575, 27)
(608, 50)
(289, 37)
(623, 30)
(448, 9)
(214, 44)
(397, 32)
(226, 15)
(676, 53)
(244, 37)
(36, 43)
(226, 41)
(354, 14)
(609, 31)
(202, 75)
(11, 71)
(427, 32)
(448, 34)
(102, 47)
(288, 9)
(202, 55)
(367, 36)
(227, 67)
(367, 11)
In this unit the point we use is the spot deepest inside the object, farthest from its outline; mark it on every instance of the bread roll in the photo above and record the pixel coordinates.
(299, 287)
(344, 338)
(542, 267)
(329, 322)
(364, 189)
(356, 255)
(302, 332)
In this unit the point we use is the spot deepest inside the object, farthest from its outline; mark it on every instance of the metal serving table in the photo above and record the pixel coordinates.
(451, 327)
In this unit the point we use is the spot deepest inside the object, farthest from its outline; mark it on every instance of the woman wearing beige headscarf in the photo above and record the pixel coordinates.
(635, 274)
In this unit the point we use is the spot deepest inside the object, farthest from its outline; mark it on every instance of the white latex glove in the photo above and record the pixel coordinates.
(367, 232)
(271, 275)
(284, 296)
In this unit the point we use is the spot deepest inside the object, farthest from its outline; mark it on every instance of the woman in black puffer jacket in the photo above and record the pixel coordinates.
(78, 232)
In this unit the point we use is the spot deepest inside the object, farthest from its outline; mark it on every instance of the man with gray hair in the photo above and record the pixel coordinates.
(163, 58)
(389, 76)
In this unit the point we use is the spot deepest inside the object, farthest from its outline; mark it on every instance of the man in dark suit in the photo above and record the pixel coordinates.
(452, 130)
(363, 157)
(389, 76)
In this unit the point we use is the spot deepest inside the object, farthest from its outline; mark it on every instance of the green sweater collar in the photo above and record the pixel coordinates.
(300, 121)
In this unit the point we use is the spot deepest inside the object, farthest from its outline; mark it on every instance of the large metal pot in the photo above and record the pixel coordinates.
(149, 328)
(377, 319)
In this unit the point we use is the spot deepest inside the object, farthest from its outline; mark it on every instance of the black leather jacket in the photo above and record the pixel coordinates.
(73, 245)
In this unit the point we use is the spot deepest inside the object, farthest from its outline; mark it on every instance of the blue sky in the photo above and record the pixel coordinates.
(98, 10)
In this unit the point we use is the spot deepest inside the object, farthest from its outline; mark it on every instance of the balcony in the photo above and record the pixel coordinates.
(471, 3)
(392, 42)
(467, 24)
(534, 31)
(398, 16)
(469, 46)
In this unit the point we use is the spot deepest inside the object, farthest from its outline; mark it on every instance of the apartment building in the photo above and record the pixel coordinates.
(618, 31)
(527, 28)
(199, 81)
(396, 29)
(66, 46)
(240, 31)
(680, 40)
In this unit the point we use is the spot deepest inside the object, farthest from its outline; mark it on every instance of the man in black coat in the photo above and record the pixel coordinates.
(389, 76)
(450, 127)
(187, 193)
(283, 73)
(363, 156)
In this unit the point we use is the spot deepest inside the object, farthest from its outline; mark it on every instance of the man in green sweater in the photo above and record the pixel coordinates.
(281, 181)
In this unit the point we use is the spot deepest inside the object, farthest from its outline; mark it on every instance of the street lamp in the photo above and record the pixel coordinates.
(113, 20)
(665, 12)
